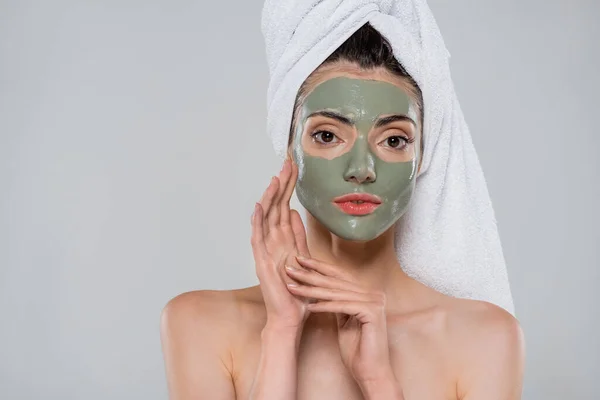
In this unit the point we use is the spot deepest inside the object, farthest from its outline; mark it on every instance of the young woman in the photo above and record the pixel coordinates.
(345, 321)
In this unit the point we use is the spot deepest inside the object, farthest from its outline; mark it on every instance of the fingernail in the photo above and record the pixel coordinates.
(292, 285)
(290, 268)
(301, 258)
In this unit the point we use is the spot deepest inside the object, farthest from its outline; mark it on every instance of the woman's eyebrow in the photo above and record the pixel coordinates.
(391, 118)
(347, 121)
(334, 115)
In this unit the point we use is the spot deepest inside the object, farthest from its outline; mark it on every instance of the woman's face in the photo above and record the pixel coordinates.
(356, 135)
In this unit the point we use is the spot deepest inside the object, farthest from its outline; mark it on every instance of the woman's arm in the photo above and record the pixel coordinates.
(493, 363)
(196, 326)
(194, 336)
(278, 235)
(276, 377)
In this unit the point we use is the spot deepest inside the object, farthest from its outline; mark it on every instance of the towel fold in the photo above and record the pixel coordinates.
(448, 239)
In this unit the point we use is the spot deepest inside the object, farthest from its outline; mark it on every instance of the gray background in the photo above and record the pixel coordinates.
(133, 146)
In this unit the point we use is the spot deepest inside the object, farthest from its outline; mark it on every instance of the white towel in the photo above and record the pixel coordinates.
(448, 238)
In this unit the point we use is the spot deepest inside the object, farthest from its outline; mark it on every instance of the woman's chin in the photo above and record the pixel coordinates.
(359, 231)
(353, 235)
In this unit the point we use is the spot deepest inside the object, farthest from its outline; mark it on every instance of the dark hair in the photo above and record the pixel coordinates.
(369, 49)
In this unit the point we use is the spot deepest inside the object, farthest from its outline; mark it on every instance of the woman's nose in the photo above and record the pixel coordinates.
(361, 165)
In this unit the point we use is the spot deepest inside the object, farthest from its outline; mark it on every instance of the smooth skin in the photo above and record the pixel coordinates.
(352, 324)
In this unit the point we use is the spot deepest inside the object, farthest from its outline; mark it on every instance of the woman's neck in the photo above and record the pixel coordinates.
(373, 263)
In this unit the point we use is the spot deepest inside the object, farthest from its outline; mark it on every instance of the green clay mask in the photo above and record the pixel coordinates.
(336, 158)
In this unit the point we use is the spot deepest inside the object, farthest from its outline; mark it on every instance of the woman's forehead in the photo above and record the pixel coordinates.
(354, 71)
(361, 97)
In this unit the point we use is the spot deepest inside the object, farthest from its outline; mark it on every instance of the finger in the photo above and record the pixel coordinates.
(287, 194)
(325, 268)
(365, 312)
(267, 193)
(321, 293)
(314, 278)
(257, 238)
(267, 201)
(285, 277)
(275, 212)
(299, 233)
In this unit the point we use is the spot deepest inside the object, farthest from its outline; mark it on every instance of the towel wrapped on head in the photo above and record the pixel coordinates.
(448, 238)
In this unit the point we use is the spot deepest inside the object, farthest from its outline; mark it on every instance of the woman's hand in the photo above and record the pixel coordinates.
(361, 318)
(278, 236)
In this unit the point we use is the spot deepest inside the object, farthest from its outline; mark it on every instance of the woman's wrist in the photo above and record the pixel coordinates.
(283, 327)
(281, 332)
(384, 388)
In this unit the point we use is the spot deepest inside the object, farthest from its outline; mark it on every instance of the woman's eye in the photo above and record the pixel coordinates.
(325, 137)
(396, 142)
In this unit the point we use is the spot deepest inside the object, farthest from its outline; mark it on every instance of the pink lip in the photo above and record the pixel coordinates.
(357, 209)
(357, 196)
(345, 203)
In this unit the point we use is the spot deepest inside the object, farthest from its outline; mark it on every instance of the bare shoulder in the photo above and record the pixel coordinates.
(213, 318)
(222, 310)
(487, 343)
(474, 323)
(477, 314)
(198, 331)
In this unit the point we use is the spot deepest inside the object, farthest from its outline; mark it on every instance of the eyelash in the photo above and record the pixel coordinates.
(314, 135)
(406, 140)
